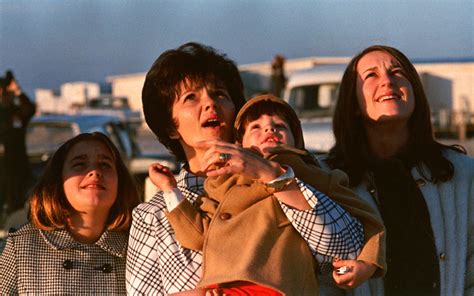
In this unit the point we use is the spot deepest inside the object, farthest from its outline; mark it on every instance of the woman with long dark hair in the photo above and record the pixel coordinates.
(423, 189)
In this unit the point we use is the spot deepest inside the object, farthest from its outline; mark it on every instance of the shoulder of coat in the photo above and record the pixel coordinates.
(24, 229)
(460, 161)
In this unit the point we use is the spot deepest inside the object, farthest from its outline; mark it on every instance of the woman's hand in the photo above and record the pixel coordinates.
(239, 161)
(359, 272)
(251, 165)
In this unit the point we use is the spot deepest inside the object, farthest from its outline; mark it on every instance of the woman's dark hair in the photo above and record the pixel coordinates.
(49, 207)
(190, 63)
(351, 152)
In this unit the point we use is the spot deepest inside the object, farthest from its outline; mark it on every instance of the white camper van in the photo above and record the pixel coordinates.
(312, 93)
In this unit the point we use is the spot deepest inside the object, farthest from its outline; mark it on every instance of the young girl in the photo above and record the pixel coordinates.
(248, 214)
(80, 214)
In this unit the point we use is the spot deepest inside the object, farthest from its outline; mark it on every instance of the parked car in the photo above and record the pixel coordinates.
(47, 132)
(313, 93)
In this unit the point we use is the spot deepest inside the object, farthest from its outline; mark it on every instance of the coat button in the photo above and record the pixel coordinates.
(442, 256)
(67, 264)
(420, 182)
(105, 268)
(225, 216)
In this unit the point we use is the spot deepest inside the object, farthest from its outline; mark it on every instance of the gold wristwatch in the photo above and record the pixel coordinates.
(283, 180)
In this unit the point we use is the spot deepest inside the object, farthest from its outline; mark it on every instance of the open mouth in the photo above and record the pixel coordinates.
(213, 122)
(93, 186)
(272, 140)
(387, 98)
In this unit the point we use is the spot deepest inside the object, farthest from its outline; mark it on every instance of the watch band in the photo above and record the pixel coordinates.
(283, 180)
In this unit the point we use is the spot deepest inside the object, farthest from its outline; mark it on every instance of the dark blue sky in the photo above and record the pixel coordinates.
(50, 42)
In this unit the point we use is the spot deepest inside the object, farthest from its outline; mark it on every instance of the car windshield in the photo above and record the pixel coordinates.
(316, 100)
(41, 138)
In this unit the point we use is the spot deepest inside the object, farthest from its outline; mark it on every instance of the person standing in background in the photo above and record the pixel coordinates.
(16, 111)
(278, 75)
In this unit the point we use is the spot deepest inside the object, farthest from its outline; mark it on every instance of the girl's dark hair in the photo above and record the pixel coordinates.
(351, 152)
(190, 63)
(49, 207)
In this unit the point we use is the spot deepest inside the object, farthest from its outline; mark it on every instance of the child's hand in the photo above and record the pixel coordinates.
(161, 177)
(359, 272)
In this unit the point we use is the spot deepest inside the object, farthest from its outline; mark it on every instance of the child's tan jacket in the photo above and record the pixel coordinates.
(245, 236)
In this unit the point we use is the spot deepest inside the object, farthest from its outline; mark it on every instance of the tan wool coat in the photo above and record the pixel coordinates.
(245, 236)
(335, 184)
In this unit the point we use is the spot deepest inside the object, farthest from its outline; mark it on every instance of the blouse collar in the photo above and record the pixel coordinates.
(113, 242)
(191, 185)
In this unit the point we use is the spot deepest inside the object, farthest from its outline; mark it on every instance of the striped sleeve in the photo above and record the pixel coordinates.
(329, 230)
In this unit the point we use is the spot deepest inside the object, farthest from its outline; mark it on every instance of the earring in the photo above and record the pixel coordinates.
(174, 135)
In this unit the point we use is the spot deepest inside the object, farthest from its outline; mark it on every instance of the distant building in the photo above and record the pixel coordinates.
(48, 102)
(129, 86)
(73, 95)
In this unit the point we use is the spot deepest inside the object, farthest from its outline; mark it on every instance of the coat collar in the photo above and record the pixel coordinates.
(113, 242)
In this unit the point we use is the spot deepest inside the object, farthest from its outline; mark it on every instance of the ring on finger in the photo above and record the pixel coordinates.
(224, 157)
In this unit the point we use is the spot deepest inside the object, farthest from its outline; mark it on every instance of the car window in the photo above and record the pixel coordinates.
(315, 100)
(42, 138)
